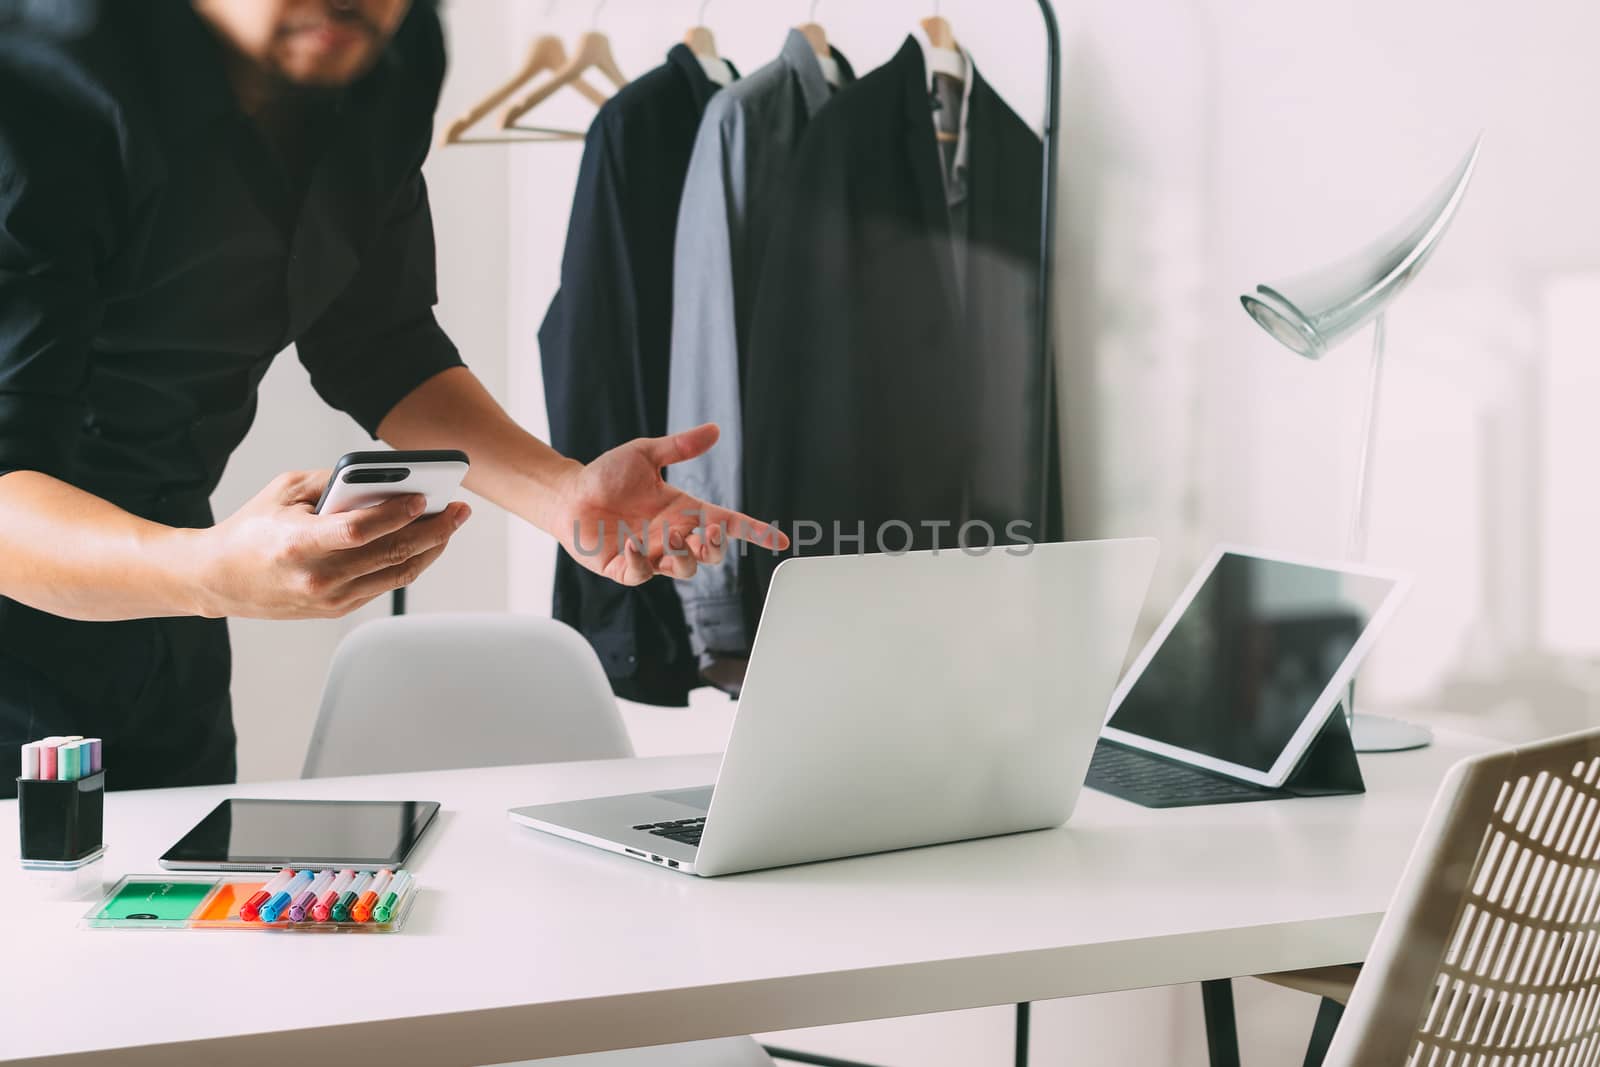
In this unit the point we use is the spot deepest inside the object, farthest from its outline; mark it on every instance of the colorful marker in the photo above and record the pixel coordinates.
(49, 757)
(390, 906)
(67, 758)
(361, 911)
(322, 910)
(300, 910)
(274, 908)
(250, 910)
(95, 766)
(341, 910)
(77, 752)
(30, 759)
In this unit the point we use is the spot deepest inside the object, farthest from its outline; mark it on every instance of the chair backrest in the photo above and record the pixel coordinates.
(1490, 951)
(441, 691)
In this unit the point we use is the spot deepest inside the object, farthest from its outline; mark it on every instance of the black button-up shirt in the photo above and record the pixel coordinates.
(605, 346)
(156, 252)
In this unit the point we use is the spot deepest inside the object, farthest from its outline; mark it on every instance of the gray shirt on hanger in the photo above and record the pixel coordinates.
(746, 140)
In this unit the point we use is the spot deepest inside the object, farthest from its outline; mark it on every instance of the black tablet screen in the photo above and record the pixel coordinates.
(1250, 656)
(289, 833)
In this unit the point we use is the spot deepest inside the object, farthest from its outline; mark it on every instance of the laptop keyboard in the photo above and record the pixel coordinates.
(683, 831)
(1158, 783)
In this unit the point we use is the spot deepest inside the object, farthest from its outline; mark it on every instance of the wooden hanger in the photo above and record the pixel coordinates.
(817, 38)
(940, 35)
(814, 34)
(593, 53)
(547, 53)
(701, 42)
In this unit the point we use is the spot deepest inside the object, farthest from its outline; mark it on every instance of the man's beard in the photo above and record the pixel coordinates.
(285, 86)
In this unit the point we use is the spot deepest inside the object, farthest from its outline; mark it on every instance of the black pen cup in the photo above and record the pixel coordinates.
(63, 823)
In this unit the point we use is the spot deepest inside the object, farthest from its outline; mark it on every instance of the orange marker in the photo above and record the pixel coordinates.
(361, 911)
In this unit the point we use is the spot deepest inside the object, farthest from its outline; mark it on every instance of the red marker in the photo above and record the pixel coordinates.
(48, 751)
(250, 910)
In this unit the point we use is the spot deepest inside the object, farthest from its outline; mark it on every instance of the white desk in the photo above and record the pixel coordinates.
(522, 945)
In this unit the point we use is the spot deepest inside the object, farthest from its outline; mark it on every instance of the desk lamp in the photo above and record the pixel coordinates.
(1313, 313)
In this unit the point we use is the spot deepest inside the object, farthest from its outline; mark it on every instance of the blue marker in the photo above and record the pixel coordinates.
(274, 907)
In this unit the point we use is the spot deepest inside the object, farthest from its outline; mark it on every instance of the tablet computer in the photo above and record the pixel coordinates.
(1243, 672)
(264, 835)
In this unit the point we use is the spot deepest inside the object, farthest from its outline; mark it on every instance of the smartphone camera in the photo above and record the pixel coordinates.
(376, 475)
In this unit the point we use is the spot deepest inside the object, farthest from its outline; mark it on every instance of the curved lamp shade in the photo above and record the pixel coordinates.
(1311, 313)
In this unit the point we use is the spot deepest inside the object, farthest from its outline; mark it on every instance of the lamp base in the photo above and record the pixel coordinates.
(1379, 733)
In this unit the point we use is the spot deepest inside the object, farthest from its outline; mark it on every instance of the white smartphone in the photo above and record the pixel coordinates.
(362, 479)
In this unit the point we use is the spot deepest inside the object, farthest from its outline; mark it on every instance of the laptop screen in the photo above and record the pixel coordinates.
(1249, 657)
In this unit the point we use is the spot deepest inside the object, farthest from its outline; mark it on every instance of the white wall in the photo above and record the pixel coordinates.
(1335, 120)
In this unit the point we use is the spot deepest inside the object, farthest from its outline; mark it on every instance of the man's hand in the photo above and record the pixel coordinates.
(275, 559)
(583, 507)
(604, 512)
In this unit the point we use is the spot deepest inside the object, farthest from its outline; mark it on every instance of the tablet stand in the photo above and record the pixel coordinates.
(1329, 767)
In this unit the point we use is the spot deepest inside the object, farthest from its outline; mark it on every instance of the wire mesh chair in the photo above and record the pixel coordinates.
(1489, 955)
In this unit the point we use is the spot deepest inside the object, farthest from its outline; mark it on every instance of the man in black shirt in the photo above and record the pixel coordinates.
(186, 188)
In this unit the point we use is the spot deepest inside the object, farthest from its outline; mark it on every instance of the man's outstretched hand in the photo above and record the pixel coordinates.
(606, 509)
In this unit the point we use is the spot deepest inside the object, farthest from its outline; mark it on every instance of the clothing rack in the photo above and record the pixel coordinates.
(1049, 138)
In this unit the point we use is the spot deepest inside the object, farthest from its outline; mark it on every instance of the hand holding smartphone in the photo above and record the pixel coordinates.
(273, 559)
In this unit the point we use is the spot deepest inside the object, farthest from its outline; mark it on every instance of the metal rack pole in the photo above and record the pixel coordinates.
(1050, 137)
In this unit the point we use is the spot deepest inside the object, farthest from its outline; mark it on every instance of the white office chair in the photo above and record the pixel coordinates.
(447, 691)
(450, 691)
(1489, 953)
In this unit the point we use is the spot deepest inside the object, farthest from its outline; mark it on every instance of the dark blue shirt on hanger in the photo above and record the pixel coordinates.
(606, 347)
(156, 252)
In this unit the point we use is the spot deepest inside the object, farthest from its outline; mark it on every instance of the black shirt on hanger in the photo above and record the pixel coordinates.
(156, 252)
(605, 349)
(891, 390)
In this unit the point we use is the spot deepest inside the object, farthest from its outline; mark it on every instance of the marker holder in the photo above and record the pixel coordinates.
(62, 822)
(212, 903)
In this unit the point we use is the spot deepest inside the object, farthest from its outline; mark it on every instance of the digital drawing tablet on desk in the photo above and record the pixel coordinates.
(1239, 694)
(265, 835)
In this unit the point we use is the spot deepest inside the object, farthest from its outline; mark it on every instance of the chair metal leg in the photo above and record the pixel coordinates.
(1329, 1012)
(1024, 1018)
(1222, 1030)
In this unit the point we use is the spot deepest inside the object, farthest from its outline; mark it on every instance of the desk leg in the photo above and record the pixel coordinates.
(1222, 1030)
(1024, 1014)
(811, 1058)
(1329, 1012)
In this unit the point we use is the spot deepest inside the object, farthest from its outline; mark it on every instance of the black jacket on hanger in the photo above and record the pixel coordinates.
(890, 396)
(605, 347)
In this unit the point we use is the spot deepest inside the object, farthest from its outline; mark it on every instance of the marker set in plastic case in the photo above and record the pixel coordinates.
(291, 901)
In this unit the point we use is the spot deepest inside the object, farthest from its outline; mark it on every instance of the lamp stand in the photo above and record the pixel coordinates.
(1373, 733)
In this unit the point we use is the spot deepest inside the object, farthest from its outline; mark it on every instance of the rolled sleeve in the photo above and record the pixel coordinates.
(379, 339)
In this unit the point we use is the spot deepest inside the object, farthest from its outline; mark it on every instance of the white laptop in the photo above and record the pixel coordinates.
(894, 701)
